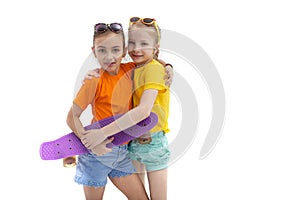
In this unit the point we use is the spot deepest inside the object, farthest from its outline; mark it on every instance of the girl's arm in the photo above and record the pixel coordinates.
(91, 138)
(75, 124)
(90, 74)
(168, 69)
(73, 120)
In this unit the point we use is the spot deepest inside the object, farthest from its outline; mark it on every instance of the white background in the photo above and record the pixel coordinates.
(255, 46)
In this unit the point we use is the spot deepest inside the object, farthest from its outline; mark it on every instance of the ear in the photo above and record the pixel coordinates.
(93, 50)
(124, 52)
(156, 49)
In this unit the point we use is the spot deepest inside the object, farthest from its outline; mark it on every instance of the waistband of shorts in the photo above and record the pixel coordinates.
(123, 146)
(157, 134)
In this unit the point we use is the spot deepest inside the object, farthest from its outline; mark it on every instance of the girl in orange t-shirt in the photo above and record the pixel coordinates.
(108, 95)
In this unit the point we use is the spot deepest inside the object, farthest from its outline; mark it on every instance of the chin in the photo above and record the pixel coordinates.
(113, 71)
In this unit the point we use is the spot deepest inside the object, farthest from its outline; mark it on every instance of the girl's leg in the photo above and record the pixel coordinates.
(158, 184)
(131, 186)
(92, 193)
(140, 169)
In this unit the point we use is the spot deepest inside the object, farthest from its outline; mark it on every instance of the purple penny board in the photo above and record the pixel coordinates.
(70, 144)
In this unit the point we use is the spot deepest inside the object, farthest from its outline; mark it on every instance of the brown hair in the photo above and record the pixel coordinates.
(97, 35)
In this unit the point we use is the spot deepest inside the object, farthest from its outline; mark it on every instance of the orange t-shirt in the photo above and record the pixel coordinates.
(109, 94)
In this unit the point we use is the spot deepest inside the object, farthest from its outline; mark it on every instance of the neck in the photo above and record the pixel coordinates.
(113, 73)
(144, 63)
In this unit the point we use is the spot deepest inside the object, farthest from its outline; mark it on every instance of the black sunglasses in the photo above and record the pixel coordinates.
(102, 27)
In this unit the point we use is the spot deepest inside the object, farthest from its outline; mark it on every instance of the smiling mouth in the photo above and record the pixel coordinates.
(138, 56)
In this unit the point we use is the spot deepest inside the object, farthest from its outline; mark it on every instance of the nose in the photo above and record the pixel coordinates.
(109, 56)
(136, 48)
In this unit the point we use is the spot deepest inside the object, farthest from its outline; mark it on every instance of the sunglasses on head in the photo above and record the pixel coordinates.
(102, 27)
(146, 21)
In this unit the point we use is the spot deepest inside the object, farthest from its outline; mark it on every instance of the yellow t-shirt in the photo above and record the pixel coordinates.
(151, 76)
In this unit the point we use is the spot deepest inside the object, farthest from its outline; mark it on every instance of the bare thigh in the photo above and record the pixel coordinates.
(158, 184)
(141, 169)
(92, 193)
(131, 186)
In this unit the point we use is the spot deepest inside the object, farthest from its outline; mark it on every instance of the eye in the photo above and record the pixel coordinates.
(144, 44)
(116, 50)
(101, 50)
(130, 42)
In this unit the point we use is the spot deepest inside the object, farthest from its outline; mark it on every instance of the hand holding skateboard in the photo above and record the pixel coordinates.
(70, 144)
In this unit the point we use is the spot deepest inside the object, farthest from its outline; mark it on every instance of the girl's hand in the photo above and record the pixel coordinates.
(91, 138)
(91, 74)
(170, 75)
(101, 148)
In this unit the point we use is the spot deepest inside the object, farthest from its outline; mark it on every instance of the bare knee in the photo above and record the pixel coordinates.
(92, 193)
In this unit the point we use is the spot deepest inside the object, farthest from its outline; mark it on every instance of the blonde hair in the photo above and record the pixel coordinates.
(141, 25)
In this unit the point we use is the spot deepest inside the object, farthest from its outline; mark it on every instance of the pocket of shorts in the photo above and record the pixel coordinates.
(157, 142)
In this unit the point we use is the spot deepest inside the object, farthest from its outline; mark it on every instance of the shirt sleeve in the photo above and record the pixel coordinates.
(154, 77)
(87, 93)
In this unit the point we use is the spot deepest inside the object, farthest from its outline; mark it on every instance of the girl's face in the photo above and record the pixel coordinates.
(141, 45)
(108, 49)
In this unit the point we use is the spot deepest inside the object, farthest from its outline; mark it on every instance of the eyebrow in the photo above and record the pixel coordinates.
(105, 47)
(142, 40)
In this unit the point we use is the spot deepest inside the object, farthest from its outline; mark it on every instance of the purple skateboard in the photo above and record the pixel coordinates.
(70, 144)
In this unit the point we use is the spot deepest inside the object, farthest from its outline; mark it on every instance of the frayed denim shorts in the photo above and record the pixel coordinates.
(154, 155)
(93, 170)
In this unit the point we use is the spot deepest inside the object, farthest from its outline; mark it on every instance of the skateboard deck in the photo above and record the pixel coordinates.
(70, 144)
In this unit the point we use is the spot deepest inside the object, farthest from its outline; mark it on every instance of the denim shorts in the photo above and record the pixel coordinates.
(154, 155)
(93, 170)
